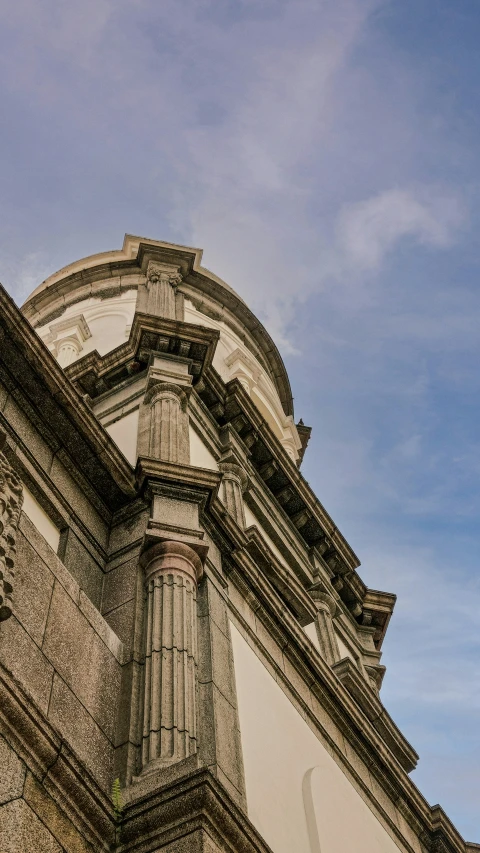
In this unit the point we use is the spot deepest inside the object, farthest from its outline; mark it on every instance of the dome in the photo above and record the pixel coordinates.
(90, 304)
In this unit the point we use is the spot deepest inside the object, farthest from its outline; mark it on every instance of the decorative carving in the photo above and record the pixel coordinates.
(162, 282)
(172, 571)
(168, 429)
(11, 500)
(326, 610)
(234, 483)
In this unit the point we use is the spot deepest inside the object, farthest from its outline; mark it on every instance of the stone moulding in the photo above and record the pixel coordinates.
(66, 419)
(231, 405)
(11, 500)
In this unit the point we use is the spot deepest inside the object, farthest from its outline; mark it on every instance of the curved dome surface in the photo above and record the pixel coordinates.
(90, 304)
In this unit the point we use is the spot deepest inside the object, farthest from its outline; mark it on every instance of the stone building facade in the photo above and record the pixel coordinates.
(189, 659)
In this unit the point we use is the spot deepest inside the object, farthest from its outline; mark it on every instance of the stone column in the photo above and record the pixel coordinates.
(172, 571)
(67, 352)
(11, 499)
(326, 609)
(234, 482)
(168, 437)
(162, 283)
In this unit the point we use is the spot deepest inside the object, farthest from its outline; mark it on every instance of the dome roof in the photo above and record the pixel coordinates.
(108, 274)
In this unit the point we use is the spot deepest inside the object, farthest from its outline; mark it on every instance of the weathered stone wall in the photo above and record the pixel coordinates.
(63, 653)
(30, 819)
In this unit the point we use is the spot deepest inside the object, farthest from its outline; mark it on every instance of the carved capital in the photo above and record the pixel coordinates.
(173, 557)
(324, 601)
(11, 500)
(158, 273)
(162, 390)
(232, 471)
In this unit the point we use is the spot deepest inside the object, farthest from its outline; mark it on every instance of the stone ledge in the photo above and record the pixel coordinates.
(348, 674)
(197, 803)
(53, 763)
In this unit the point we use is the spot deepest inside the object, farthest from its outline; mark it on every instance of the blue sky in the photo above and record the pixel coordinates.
(325, 156)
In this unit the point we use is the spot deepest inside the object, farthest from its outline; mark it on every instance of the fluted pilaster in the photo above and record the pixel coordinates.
(234, 482)
(11, 499)
(168, 437)
(161, 288)
(326, 609)
(172, 570)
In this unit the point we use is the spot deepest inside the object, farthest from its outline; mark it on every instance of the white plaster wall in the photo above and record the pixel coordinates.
(109, 321)
(311, 632)
(345, 651)
(124, 433)
(250, 521)
(298, 797)
(233, 359)
(200, 455)
(40, 519)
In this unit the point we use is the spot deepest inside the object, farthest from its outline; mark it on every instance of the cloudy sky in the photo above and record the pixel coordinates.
(324, 153)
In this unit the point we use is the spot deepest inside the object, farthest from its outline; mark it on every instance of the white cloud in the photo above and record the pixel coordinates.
(368, 230)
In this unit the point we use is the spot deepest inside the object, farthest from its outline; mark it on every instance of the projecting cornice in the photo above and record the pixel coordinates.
(94, 374)
(30, 372)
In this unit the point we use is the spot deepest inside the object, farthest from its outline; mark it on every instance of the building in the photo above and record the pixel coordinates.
(189, 659)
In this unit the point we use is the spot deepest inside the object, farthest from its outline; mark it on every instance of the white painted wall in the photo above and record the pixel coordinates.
(124, 433)
(200, 455)
(40, 519)
(252, 520)
(311, 632)
(345, 651)
(108, 323)
(298, 797)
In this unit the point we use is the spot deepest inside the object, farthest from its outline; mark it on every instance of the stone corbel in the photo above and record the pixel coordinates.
(326, 611)
(11, 500)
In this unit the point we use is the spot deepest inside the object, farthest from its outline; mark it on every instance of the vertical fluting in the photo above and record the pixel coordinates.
(161, 290)
(326, 609)
(168, 433)
(233, 485)
(169, 712)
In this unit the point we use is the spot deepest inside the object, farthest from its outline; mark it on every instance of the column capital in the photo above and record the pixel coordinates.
(167, 389)
(324, 601)
(231, 470)
(157, 272)
(171, 556)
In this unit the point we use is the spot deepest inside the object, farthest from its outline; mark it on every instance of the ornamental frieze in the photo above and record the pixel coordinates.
(11, 500)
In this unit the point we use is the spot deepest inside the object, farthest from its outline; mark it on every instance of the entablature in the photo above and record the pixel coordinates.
(230, 405)
(94, 374)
